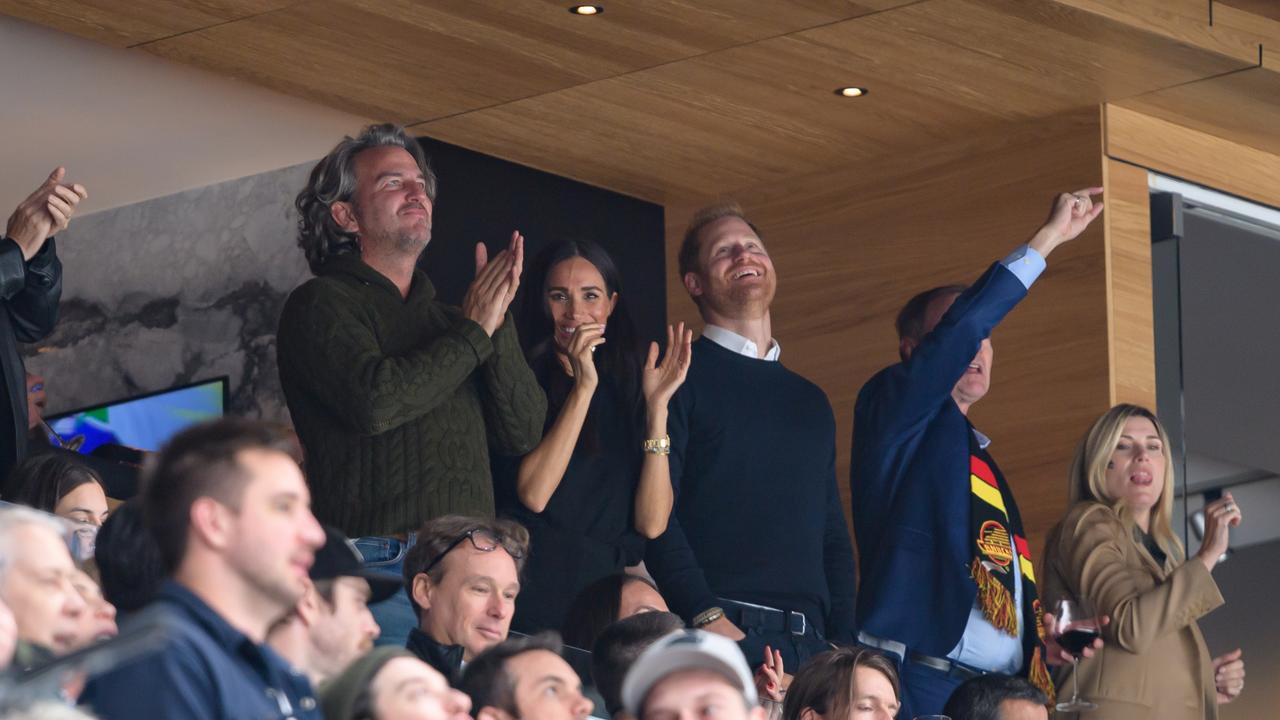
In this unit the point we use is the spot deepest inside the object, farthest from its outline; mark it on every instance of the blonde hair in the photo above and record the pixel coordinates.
(1088, 477)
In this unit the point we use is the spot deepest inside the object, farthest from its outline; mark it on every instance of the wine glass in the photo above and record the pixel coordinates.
(1077, 628)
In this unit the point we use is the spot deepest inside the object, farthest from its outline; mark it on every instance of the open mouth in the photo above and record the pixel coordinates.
(1141, 478)
(746, 273)
(974, 368)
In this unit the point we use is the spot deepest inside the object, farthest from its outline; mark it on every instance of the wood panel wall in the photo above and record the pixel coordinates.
(851, 246)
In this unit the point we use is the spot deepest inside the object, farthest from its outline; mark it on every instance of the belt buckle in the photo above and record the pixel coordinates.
(791, 622)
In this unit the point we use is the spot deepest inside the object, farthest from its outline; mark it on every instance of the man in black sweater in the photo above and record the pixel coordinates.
(757, 548)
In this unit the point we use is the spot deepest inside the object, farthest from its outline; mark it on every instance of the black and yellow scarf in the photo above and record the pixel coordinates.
(1000, 550)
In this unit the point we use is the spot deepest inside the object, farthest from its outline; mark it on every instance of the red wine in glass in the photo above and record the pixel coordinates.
(1078, 638)
(1076, 629)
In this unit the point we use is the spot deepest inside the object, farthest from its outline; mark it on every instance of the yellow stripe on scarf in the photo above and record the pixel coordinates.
(989, 494)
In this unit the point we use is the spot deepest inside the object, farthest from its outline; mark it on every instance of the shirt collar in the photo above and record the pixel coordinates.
(983, 440)
(734, 342)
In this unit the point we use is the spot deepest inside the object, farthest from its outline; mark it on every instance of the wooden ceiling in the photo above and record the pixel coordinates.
(663, 99)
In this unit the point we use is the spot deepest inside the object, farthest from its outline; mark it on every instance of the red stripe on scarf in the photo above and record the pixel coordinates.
(1023, 549)
(983, 471)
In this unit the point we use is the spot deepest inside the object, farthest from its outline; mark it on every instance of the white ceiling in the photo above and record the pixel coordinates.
(131, 126)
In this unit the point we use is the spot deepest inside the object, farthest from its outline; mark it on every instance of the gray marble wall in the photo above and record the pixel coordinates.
(177, 289)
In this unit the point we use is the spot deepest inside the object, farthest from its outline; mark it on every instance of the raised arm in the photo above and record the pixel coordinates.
(1092, 548)
(515, 408)
(909, 398)
(654, 496)
(543, 468)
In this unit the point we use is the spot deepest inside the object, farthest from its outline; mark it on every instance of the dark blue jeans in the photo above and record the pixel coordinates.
(394, 615)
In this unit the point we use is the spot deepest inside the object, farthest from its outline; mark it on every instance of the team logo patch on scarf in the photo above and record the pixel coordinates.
(1000, 551)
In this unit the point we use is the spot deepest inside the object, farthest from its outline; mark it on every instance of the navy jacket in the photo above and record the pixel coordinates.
(206, 670)
(909, 479)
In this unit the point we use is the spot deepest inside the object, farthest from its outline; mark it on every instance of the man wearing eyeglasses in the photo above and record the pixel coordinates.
(462, 578)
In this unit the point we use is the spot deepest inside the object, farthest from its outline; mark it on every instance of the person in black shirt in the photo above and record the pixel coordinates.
(757, 549)
(597, 485)
(30, 289)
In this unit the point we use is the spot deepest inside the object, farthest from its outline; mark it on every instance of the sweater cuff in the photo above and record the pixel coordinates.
(479, 341)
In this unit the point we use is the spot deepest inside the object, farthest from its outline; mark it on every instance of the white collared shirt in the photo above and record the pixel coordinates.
(732, 341)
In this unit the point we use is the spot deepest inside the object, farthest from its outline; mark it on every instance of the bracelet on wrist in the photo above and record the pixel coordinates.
(708, 616)
(658, 446)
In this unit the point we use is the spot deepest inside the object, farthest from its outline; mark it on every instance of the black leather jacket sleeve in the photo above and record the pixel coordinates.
(30, 289)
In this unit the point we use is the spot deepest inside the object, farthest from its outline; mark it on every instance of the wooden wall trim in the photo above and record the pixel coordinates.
(1194, 155)
(1130, 310)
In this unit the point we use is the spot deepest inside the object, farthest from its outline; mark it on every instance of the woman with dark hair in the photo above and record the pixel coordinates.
(57, 484)
(1116, 552)
(598, 484)
(848, 683)
(606, 601)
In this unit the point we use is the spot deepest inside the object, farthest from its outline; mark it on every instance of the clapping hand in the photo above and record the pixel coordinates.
(661, 380)
(495, 284)
(44, 213)
(1070, 215)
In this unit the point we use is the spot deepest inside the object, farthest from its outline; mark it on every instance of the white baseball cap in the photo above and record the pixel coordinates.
(686, 650)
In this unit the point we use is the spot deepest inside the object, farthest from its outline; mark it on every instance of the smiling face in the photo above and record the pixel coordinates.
(576, 294)
(1136, 468)
(734, 276)
(271, 537)
(390, 211)
(473, 603)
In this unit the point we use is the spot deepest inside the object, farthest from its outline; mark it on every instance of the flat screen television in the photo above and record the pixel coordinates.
(145, 422)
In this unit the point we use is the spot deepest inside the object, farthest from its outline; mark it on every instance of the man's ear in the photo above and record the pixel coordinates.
(488, 712)
(308, 607)
(212, 522)
(693, 284)
(344, 214)
(422, 586)
(906, 346)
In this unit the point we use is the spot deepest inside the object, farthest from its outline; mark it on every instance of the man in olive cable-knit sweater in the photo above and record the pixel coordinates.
(396, 396)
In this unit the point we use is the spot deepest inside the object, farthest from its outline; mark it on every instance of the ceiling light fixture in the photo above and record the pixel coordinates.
(851, 92)
(586, 9)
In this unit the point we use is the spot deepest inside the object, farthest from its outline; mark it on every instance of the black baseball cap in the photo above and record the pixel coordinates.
(340, 558)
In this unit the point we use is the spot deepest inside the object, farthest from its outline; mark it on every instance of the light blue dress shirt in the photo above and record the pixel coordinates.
(982, 645)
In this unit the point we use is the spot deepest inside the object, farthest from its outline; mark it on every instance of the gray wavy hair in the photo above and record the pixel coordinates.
(334, 180)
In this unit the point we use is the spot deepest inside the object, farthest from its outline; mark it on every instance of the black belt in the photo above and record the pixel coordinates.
(897, 649)
(767, 619)
(950, 667)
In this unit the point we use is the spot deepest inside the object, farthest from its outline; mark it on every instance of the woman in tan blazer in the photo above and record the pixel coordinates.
(1116, 551)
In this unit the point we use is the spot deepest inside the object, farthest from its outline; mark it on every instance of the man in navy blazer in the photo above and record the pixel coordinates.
(913, 478)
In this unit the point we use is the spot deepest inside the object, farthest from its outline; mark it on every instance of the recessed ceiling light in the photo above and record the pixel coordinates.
(586, 9)
(851, 92)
